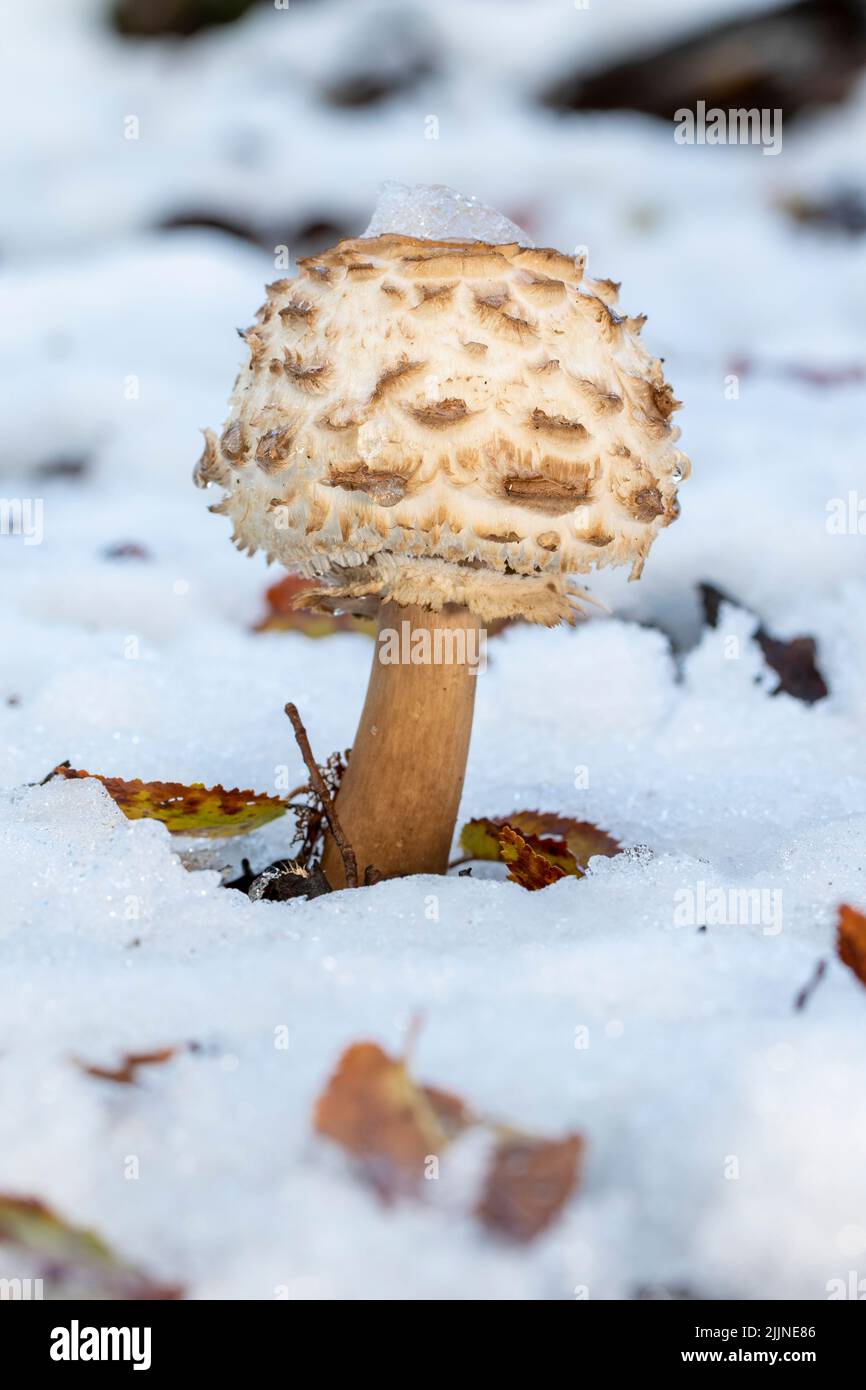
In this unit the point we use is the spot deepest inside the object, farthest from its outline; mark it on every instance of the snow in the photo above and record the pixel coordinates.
(117, 344)
(440, 214)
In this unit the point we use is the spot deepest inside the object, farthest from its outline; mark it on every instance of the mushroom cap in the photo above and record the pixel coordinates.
(447, 422)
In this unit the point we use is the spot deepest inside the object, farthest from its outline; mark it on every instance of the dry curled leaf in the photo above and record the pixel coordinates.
(851, 940)
(525, 865)
(126, 1073)
(283, 616)
(565, 843)
(72, 1263)
(528, 1183)
(188, 810)
(390, 1125)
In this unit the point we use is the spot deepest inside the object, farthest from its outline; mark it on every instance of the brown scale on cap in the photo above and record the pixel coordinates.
(452, 422)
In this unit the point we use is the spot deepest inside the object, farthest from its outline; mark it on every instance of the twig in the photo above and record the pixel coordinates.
(350, 863)
(811, 985)
(413, 1029)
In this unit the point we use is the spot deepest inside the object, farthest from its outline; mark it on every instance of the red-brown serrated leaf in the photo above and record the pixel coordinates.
(528, 1183)
(126, 1073)
(525, 865)
(390, 1125)
(73, 1263)
(567, 843)
(188, 810)
(851, 941)
(582, 838)
(284, 616)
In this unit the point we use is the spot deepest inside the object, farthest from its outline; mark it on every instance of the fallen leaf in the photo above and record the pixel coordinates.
(126, 1073)
(73, 1263)
(528, 1183)
(390, 1125)
(568, 844)
(525, 865)
(144, 19)
(843, 211)
(283, 616)
(188, 810)
(452, 1113)
(794, 660)
(288, 613)
(851, 941)
(801, 54)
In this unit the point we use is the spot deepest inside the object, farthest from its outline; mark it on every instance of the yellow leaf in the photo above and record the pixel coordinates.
(189, 810)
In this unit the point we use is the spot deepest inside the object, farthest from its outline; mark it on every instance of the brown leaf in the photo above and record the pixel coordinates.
(582, 838)
(525, 865)
(188, 810)
(566, 843)
(283, 616)
(842, 211)
(452, 1113)
(528, 1183)
(851, 941)
(794, 664)
(794, 661)
(392, 1126)
(375, 1111)
(73, 1263)
(126, 1073)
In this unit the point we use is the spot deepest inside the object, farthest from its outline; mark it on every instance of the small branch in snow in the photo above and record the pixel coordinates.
(809, 988)
(317, 781)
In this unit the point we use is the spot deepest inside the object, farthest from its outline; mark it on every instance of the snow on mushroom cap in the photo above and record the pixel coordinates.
(440, 213)
(444, 421)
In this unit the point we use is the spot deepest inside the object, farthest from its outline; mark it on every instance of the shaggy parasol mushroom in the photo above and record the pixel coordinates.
(442, 428)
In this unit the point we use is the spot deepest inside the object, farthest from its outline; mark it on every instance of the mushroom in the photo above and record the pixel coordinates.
(440, 431)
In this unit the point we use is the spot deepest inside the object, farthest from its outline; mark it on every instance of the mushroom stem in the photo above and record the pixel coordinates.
(399, 796)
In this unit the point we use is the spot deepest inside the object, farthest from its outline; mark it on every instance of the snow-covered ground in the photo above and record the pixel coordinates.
(726, 1131)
